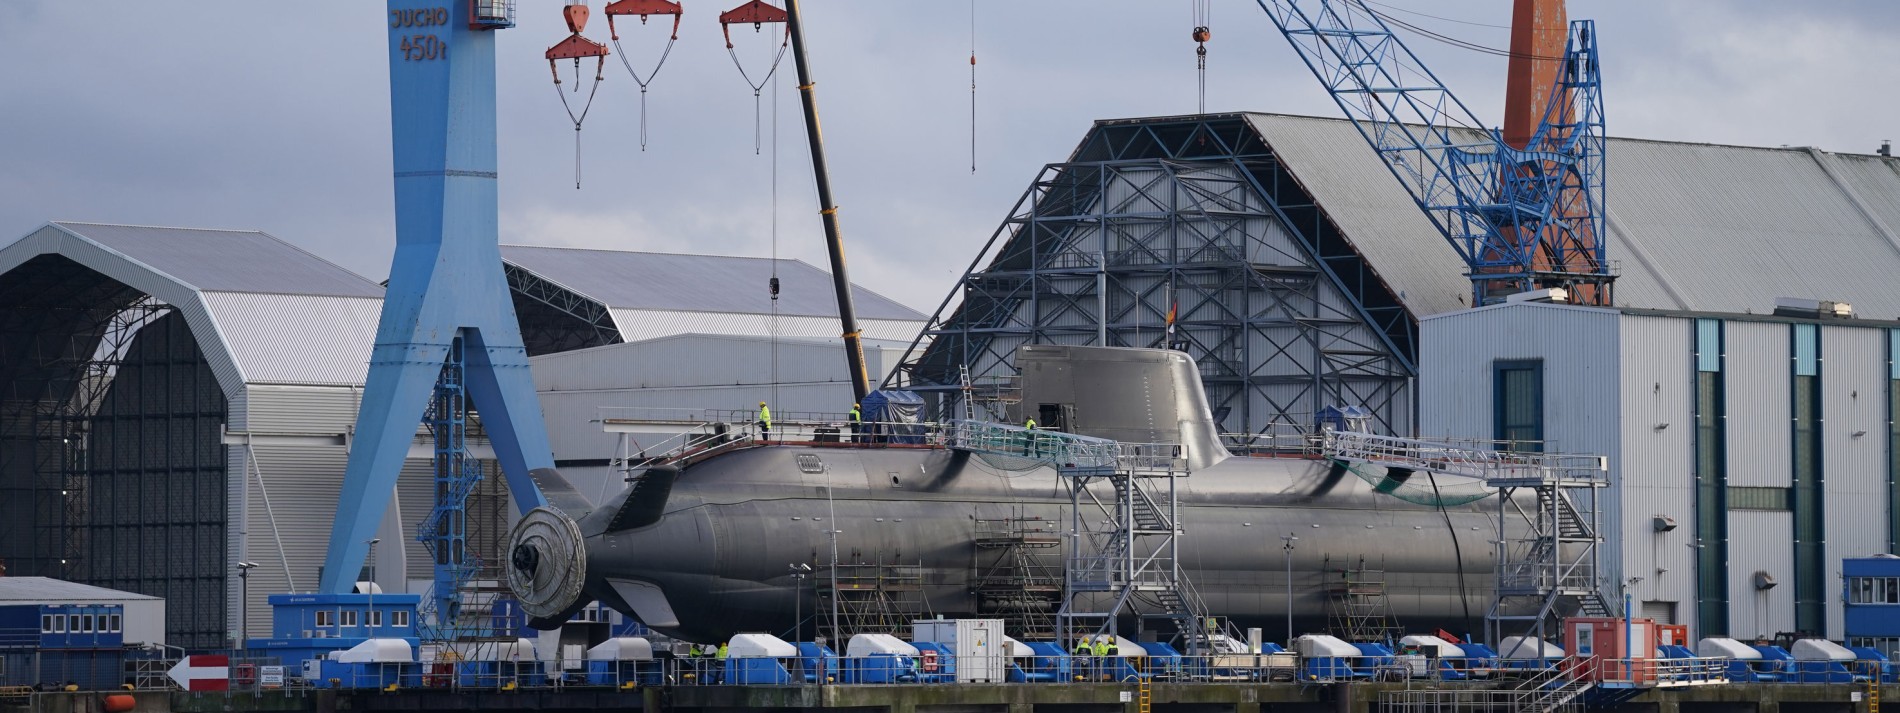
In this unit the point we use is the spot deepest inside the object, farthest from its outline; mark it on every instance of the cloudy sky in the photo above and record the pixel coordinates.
(274, 116)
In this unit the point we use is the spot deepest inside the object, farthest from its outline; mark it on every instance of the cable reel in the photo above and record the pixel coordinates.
(645, 9)
(576, 47)
(759, 13)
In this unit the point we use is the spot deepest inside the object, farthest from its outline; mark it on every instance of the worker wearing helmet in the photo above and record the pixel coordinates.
(765, 422)
(857, 417)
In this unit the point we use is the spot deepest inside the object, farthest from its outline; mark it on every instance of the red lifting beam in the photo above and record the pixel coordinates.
(756, 12)
(575, 46)
(643, 8)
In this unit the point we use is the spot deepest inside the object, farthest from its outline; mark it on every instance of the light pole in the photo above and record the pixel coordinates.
(799, 573)
(369, 588)
(244, 603)
(1288, 541)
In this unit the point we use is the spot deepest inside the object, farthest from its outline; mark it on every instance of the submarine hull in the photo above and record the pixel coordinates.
(718, 560)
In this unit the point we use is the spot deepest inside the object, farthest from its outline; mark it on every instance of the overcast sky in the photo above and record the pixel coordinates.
(274, 116)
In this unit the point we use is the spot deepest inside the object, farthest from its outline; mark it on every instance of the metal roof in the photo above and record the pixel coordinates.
(297, 339)
(696, 283)
(35, 590)
(1699, 227)
(228, 260)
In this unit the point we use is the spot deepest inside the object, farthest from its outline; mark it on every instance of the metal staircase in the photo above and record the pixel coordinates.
(1547, 538)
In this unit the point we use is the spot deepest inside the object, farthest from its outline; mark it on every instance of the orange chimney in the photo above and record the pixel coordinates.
(1539, 30)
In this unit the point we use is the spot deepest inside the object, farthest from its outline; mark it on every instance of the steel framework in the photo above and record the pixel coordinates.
(556, 319)
(1520, 218)
(1018, 573)
(111, 472)
(1194, 216)
(1547, 550)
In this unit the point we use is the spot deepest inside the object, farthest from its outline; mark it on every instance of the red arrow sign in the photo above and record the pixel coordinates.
(202, 673)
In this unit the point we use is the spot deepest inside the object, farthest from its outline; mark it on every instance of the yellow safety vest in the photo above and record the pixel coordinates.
(1031, 425)
(855, 416)
(765, 416)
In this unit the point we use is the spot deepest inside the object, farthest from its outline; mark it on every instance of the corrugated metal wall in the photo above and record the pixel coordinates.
(1655, 472)
(1578, 346)
(303, 482)
(1759, 409)
(1760, 541)
(1853, 401)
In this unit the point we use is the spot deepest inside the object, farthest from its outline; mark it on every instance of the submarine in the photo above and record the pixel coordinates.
(704, 550)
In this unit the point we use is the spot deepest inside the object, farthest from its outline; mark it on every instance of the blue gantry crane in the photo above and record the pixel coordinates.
(447, 304)
(1522, 206)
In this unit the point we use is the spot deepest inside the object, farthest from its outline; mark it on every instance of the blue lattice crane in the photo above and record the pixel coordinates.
(1522, 206)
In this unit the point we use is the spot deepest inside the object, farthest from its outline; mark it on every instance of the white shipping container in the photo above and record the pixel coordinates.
(977, 645)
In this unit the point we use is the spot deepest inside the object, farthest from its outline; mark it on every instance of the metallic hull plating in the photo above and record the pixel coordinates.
(716, 562)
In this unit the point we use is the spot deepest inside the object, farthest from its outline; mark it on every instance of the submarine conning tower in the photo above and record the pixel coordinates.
(1119, 393)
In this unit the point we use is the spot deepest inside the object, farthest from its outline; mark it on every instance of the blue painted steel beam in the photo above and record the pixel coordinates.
(446, 280)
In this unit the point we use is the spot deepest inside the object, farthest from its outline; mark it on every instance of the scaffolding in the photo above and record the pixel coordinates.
(1124, 534)
(1547, 537)
(1192, 217)
(879, 596)
(1018, 574)
(1357, 608)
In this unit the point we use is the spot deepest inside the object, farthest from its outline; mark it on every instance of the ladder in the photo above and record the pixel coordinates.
(1873, 693)
(1144, 696)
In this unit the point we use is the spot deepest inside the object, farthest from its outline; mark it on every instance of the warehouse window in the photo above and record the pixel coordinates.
(85, 623)
(72, 623)
(1885, 644)
(399, 619)
(1873, 590)
(349, 618)
(1518, 394)
(1754, 498)
(115, 624)
(326, 618)
(46, 623)
(1711, 482)
(1808, 476)
(375, 618)
(1893, 441)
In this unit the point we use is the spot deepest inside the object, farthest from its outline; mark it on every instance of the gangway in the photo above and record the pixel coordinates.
(1547, 569)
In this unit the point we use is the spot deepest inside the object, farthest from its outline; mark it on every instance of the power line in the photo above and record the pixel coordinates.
(1435, 17)
(1447, 39)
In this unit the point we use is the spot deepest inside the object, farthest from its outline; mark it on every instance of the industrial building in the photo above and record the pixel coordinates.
(143, 619)
(177, 401)
(1298, 269)
(1749, 454)
(1301, 276)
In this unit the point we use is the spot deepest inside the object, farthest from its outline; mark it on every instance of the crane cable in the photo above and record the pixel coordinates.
(637, 79)
(598, 65)
(759, 85)
(773, 284)
(1203, 16)
(972, 86)
(1447, 39)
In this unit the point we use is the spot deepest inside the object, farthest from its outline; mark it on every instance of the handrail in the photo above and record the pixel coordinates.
(1491, 466)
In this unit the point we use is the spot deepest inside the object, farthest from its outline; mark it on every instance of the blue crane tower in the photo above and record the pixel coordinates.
(1523, 207)
(447, 304)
